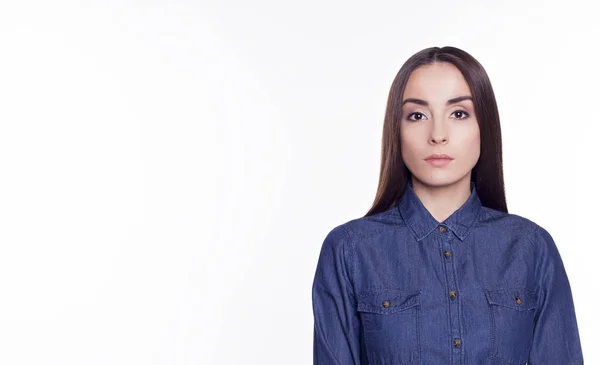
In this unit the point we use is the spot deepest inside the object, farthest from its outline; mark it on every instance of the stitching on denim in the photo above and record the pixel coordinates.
(497, 360)
(367, 307)
(478, 218)
(378, 290)
(492, 331)
(494, 354)
(349, 265)
(370, 356)
(529, 238)
(418, 330)
(526, 291)
(377, 233)
(461, 330)
(448, 309)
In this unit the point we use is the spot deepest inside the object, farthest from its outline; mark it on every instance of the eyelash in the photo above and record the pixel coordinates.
(461, 111)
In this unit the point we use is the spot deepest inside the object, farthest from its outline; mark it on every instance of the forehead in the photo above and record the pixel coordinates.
(436, 82)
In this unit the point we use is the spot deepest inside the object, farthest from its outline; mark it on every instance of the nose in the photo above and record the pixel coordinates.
(439, 131)
(438, 134)
(440, 138)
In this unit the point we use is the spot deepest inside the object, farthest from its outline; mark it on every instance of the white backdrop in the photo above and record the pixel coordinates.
(169, 169)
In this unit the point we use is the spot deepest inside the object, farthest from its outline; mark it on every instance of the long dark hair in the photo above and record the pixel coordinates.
(487, 174)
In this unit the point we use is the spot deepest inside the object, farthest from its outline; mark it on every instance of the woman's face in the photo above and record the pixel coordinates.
(433, 123)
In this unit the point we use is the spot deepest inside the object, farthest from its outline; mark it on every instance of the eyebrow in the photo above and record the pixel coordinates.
(449, 102)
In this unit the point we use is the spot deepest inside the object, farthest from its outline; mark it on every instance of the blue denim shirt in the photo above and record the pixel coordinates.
(482, 287)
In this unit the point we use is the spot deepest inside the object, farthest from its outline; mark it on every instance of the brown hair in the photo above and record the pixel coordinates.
(486, 174)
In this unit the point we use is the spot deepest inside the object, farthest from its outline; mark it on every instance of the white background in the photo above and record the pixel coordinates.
(169, 169)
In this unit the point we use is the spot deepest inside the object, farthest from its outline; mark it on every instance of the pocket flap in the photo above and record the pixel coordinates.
(387, 301)
(515, 298)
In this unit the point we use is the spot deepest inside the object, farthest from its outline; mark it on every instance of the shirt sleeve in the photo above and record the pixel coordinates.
(556, 336)
(336, 323)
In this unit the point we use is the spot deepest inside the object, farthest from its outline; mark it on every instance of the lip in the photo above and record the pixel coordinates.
(439, 160)
(439, 156)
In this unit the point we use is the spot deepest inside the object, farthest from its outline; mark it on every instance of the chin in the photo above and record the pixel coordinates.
(438, 183)
(439, 180)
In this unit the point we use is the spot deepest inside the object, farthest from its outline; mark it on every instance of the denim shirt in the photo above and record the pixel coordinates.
(483, 287)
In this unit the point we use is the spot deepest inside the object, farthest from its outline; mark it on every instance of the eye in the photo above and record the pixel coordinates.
(421, 116)
(464, 114)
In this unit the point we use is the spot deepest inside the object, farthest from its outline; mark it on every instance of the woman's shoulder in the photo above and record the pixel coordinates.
(493, 216)
(515, 224)
(364, 226)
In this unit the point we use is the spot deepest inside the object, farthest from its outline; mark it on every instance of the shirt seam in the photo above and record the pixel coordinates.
(538, 287)
(349, 261)
(374, 234)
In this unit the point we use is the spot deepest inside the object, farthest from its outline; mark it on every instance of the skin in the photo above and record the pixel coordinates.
(442, 129)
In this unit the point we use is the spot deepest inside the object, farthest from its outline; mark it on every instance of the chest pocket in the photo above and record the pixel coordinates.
(390, 321)
(513, 319)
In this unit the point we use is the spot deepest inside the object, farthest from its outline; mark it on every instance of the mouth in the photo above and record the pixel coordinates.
(439, 160)
(439, 156)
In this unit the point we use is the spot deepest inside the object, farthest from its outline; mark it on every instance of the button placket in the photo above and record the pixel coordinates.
(451, 280)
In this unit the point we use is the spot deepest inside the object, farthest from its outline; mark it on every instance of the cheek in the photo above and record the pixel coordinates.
(472, 143)
(408, 145)
(411, 131)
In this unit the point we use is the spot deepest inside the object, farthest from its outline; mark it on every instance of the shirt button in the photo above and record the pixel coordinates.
(453, 294)
(456, 342)
(447, 254)
(386, 303)
(442, 229)
(518, 300)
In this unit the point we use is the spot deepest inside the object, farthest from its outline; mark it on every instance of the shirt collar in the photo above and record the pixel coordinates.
(422, 223)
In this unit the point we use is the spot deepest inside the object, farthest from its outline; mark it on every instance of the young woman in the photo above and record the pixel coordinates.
(438, 272)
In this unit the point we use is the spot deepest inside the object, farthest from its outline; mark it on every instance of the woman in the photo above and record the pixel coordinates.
(438, 272)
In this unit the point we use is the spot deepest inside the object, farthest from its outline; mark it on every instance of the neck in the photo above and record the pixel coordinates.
(442, 201)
